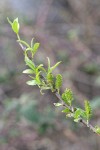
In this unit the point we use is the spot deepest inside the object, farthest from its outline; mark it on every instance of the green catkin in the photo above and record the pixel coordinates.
(50, 78)
(88, 110)
(58, 82)
(67, 96)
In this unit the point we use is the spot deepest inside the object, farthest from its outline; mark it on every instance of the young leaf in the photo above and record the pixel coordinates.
(28, 71)
(15, 26)
(31, 82)
(39, 67)
(45, 87)
(77, 114)
(38, 80)
(35, 47)
(57, 104)
(29, 63)
(66, 110)
(83, 115)
(50, 69)
(48, 64)
(32, 42)
(53, 67)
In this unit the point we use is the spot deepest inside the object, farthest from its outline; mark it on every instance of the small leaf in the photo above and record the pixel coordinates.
(50, 69)
(57, 104)
(15, 26)
(45, 88)
(29, 63)
(53, 67)
(39, 67)
(32, 42)
(66, 110)
(77, 113)
(35, 47)
(28, 71)
(31, 82)
(38, 80)
(43, 69)
(48, 62)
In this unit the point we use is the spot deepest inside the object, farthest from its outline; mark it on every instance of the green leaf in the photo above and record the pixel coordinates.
(48, 64)
(45, 88)
(28, 71)
(39, 67)
(53, 67)
(31, 82)
(88, 110)
(77, 113)
(35, 47)
(57, 104)
(50, 69)
(43, 69)
(29, 63)
(83, 115)
(32, 42)
(66, 110)
(38, 80)
(15, 26)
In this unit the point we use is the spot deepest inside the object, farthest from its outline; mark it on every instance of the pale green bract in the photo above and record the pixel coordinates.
(31, 82)
(57, 104)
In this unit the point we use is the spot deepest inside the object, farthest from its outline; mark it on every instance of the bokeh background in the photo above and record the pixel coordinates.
(69, 31)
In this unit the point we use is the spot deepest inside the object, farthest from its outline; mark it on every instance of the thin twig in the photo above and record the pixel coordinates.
(72, 109)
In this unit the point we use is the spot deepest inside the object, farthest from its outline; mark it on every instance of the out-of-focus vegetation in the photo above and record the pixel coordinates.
(68, 30)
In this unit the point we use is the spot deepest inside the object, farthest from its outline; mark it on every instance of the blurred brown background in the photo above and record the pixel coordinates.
(69, 31)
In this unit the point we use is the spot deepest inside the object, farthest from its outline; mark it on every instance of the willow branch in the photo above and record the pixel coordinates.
(71, 108)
